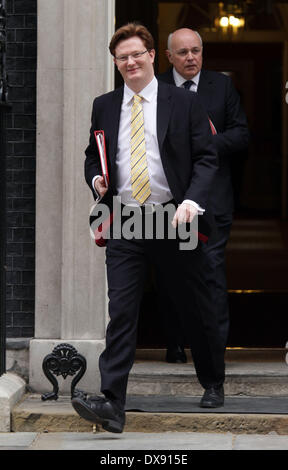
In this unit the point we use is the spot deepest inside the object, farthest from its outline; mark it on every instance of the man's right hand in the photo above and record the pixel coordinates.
(100, 187)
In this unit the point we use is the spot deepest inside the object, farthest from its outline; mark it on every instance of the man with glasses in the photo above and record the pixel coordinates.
(222, 103)
(153, 162)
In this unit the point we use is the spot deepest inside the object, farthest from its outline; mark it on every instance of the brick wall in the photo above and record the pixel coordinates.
(21, 152)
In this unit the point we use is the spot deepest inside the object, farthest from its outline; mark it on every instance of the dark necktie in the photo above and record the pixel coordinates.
(187, 84)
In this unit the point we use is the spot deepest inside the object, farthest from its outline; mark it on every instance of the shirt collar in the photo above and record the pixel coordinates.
(147, 93)
(179, 80)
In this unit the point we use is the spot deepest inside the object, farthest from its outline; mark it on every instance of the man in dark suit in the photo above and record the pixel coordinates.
(180, 161)
(222, 103)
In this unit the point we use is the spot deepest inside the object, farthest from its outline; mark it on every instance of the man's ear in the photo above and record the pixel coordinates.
(169, 56)
(152, 54)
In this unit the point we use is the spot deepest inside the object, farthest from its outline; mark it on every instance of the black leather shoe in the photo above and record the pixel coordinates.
(176, 354)
(100, 411)
(213, 397)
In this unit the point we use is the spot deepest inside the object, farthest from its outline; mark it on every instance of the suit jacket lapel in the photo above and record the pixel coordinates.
(205, 88)
(114, 120)
(163, 112)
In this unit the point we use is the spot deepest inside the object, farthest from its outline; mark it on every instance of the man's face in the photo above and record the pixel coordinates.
(185, 53)
(134, 63)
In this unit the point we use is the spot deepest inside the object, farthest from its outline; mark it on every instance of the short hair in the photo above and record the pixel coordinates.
(171, 34)
(128, 31)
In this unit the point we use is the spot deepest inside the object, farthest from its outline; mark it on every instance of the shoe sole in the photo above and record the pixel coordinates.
(85, 412)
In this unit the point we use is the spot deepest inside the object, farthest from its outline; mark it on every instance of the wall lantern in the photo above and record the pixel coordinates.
(230, 18)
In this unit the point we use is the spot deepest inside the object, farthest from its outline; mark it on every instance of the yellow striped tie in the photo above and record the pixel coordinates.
(139, 171)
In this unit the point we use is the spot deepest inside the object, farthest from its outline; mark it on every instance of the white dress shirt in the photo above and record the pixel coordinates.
(160, 191)
(179, 80)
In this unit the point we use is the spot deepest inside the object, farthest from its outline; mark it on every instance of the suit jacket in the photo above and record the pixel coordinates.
(222, 103)
(185, 142)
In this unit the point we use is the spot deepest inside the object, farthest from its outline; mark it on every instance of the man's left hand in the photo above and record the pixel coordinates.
(185, 213)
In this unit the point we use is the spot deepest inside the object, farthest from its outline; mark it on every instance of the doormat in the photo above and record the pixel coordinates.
(177, 404)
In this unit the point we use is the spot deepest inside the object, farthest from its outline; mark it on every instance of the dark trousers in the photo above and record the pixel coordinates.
(181, 274)
(215, 277)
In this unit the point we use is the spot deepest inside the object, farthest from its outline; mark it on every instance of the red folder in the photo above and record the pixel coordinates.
(100, 140)
(202, 237)
(100, 232)
(213, 129)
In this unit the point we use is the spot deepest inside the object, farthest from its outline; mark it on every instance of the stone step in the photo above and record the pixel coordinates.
(248, 372)
(34, 415)
(250, 375)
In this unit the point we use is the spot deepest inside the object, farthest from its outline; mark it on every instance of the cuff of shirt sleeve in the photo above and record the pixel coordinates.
(193, 203)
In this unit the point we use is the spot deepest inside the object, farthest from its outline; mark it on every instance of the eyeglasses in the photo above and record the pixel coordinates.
(185, 52)
(135, 55)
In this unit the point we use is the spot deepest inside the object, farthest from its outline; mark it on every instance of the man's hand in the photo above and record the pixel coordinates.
(185, 213)
(100, 187)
